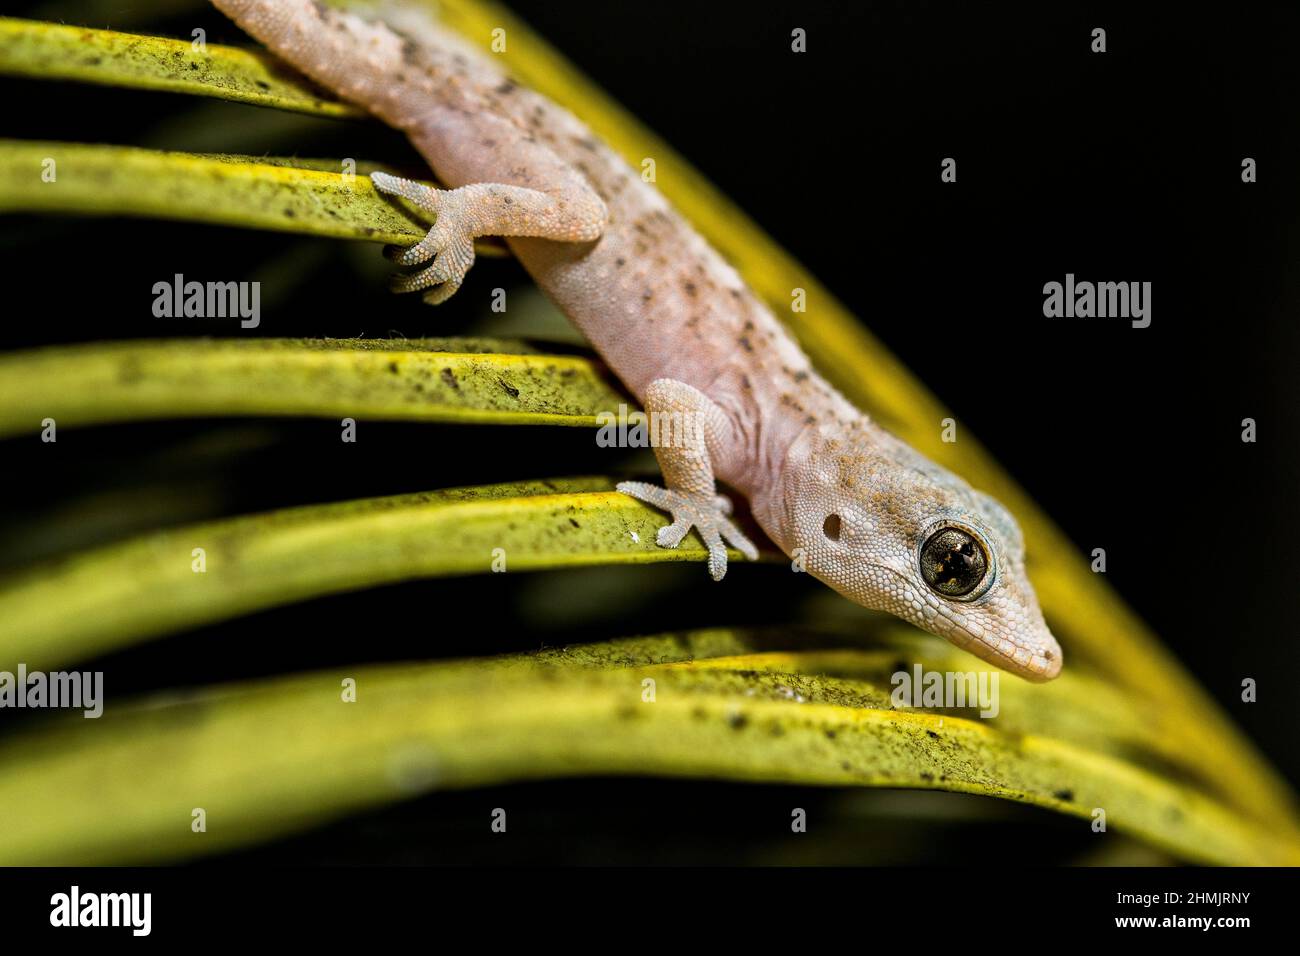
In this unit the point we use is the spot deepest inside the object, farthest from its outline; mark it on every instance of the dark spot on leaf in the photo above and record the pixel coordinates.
(129, 371)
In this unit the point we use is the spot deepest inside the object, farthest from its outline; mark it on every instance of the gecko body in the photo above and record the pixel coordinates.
(861, 510)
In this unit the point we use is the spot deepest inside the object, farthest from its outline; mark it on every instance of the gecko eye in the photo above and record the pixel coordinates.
(954, 563)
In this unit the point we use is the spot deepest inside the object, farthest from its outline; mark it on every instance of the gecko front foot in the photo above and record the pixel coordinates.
(449, 243)
(707, 514)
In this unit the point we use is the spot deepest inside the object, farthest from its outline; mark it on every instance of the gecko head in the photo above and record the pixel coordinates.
(893, 531)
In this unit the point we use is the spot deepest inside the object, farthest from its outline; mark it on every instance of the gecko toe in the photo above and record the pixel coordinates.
(708, 516)
(717, 551)
(737, 539)
(670, 535)
(650, 494)
(441, 294)
(447, 272)
(418, 194)
(422, 251)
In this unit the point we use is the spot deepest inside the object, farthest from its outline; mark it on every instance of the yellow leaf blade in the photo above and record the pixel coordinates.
(444, 380)
(57, 52)
(274, 757)
(122, 594)
(221, 190)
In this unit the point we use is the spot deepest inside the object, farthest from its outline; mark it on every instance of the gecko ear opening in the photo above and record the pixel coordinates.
(831, 527)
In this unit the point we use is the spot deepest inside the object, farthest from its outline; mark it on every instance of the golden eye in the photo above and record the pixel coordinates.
(953, 562)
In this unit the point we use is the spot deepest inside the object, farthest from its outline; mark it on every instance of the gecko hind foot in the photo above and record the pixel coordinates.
(449, 246)
(708, 515)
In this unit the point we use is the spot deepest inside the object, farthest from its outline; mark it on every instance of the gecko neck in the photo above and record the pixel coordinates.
(787, 446)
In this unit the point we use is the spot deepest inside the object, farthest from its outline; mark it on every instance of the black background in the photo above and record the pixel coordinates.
(1120, 166)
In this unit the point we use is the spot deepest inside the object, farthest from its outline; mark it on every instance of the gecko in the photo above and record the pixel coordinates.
(855, 506)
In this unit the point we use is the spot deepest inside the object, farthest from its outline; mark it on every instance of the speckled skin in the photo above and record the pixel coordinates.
(675, 322)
